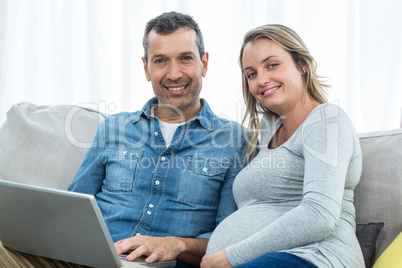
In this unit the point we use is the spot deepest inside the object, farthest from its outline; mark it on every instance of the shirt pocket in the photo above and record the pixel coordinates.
(121, 169)
(201, 180)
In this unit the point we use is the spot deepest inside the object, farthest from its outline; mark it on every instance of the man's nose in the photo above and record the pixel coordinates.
(174, 71)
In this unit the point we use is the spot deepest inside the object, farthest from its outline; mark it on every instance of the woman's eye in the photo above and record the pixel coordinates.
(251, 75)
(272, 66)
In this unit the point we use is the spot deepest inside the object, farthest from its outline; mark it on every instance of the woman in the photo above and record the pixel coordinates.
(295, 197)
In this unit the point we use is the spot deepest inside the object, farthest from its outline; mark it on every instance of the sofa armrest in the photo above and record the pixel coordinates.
(45, 145)
(378, 196)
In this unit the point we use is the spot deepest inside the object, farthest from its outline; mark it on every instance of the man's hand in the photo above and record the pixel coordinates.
(189, 250)
(156, 248)
(218, 260)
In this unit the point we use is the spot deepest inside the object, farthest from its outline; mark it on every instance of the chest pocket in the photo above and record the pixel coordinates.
(121, 169)
(201, 180)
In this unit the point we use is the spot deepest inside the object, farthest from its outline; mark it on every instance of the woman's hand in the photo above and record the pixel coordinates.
(218, 260)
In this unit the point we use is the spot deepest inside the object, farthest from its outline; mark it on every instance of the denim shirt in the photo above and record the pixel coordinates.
(144, 188)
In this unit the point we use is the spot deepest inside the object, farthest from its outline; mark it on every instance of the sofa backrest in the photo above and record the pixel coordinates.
(45, 145)
(378, 196)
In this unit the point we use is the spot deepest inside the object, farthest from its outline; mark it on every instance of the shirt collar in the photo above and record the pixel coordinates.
(205, 117)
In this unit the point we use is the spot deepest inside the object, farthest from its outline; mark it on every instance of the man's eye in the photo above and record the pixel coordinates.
(158, 61)
(187, 58)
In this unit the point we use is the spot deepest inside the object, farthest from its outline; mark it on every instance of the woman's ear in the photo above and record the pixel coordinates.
(303, 66)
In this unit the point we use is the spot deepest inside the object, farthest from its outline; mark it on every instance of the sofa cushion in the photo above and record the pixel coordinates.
(392, 256)
(367, 235)
(45, 145)
(378, 196)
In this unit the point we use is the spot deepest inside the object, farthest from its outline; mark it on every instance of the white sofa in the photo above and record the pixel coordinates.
(45, 145)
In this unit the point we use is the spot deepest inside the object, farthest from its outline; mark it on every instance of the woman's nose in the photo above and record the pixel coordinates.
(263, 78)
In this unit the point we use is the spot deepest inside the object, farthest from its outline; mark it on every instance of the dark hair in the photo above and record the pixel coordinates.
(169, 22)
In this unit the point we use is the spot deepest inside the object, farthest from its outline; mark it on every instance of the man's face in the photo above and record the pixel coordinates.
(175, 69)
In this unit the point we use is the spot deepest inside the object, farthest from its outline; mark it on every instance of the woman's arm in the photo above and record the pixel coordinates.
(327, 144)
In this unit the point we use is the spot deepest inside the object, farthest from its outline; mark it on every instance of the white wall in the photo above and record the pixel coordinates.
(76, 51)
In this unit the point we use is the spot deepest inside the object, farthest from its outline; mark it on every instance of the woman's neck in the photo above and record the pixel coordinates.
(291, 121)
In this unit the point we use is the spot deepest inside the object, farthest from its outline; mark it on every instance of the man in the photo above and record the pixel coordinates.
(163, 176)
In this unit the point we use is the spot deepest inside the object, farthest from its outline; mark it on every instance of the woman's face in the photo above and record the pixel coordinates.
(272, 75)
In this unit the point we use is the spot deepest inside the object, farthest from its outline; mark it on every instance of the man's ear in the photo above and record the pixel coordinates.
(144, 61)
(204, 60)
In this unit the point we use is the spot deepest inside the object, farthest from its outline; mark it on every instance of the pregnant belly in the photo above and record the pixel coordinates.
(243, 223)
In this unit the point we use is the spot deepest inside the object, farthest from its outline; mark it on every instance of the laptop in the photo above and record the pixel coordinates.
(58, 224)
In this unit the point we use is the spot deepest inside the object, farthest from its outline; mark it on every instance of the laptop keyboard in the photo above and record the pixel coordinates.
(123, 259)
(141, 261)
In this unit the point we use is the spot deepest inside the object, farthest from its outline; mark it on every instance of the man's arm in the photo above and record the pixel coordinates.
(188, 250)
(90, 175)
(195, 251)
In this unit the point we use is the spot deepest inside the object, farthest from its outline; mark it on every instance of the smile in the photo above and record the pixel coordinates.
(269, 91)
(176, 88)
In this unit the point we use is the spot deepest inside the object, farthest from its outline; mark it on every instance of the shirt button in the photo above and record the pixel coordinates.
(137, 234)
(163, 158)
(125, 152)
(149, 212)
(151, 205)
(205, 169)
(157, 182)
(156, 133)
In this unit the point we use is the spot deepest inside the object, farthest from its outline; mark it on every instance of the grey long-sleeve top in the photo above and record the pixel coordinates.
(298, 197)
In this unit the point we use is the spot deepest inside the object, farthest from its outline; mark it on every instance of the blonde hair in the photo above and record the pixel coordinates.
(290, 41)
